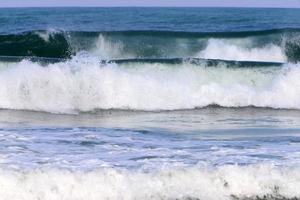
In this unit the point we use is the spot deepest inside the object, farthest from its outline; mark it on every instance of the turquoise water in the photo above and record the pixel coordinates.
(149, 103)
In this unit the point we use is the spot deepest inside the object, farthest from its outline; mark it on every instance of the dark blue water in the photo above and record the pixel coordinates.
(167, 19)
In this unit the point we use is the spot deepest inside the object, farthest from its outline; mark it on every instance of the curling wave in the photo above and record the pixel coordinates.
(280, 45)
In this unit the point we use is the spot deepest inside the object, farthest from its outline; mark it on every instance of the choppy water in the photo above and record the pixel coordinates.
(149, 103)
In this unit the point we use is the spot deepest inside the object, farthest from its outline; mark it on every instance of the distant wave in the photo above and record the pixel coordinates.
(226, 183)
(279, 45)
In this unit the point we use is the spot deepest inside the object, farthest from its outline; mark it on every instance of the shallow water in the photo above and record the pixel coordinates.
(207, 137)
(211, 153)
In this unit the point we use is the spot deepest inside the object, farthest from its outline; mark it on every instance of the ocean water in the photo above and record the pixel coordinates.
(149, 103)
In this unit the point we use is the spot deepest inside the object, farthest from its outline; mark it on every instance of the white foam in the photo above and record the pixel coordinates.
(240, 50)
(82, 85)
(222, 183)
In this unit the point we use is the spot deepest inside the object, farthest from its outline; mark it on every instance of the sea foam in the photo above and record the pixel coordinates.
(238, 50)
(227, 182)
(82, 84)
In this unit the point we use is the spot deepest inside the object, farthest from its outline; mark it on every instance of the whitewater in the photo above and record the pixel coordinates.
(226, 183)
(81, 85)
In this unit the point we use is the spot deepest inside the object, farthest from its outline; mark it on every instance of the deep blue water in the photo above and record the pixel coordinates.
(167, 19)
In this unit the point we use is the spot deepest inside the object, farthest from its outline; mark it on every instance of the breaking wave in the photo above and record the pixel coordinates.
(65, 72)
(270, 45)
(85, 84)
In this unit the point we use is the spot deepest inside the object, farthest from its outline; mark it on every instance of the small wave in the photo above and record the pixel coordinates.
(227, 183)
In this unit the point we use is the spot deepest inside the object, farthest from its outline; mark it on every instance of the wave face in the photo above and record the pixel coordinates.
(44, 44)
(83, 84)
(255, 182)
(279, 45)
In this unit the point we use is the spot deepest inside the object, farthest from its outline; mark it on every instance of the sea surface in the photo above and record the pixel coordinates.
(149, 103)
